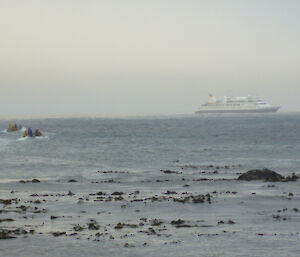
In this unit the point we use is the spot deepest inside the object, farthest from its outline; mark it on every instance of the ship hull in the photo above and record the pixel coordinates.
(254, 110)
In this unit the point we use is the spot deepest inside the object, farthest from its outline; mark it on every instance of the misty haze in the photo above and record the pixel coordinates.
(138, 58)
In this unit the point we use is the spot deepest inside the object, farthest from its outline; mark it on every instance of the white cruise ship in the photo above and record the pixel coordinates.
(236, 104)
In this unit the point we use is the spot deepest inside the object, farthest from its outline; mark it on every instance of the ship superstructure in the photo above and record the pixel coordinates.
(236, 104)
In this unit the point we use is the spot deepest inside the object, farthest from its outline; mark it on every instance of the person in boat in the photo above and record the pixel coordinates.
(29, 132)
(37, 133)
(24, 134)
(11, 128)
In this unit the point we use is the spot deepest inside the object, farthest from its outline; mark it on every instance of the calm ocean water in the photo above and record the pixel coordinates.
(82, 146)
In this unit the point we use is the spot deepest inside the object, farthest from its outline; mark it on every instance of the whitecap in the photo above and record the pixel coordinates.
(32, 138)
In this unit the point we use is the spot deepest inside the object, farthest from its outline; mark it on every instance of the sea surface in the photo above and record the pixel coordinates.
(148, 162)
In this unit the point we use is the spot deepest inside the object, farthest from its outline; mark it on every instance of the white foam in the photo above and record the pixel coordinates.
(32, 138)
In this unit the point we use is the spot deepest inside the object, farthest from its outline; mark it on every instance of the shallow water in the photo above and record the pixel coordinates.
(129, 155)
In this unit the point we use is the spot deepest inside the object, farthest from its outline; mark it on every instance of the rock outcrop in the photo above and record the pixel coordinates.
(261, 174)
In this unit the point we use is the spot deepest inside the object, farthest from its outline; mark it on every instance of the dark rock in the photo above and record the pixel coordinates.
(78, 228)
(177, 222)
(170, 192)
(20, 231)
(93, 226)
(198, 199)
(117, 193)
(70, 193)
(35, 180)
(72, 180)
(156, 222)
(293, 177)
(6, 201)
(183, 226)
(6, 220)
(119, 226)
(263, 174)
(170, 172)
(58, 233)
(4, 234)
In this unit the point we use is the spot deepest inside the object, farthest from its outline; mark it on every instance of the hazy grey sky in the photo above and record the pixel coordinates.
(135, 57)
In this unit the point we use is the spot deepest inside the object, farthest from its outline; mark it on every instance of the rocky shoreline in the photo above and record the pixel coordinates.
(133, 214)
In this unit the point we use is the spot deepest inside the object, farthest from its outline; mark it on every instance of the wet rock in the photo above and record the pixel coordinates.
(185, 226)
(170, 172)
(6, 220)
(119, 226)
(170, 192)
(5, 234)
(19, 231)
(134, 193)
(29, 181)
(56, 234)
(128, 245)
(293, 177)
(117, 193)
(93, 226)
(261, 174)
(156, 222)
(177, 222)
(70, 193)
(78, 228)
(182, 199)
(100, 193)
(119, 198)
(151, 231)
(198, 199)
(72, 181)
(6, 201)
(131, 225)
(23, 207)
